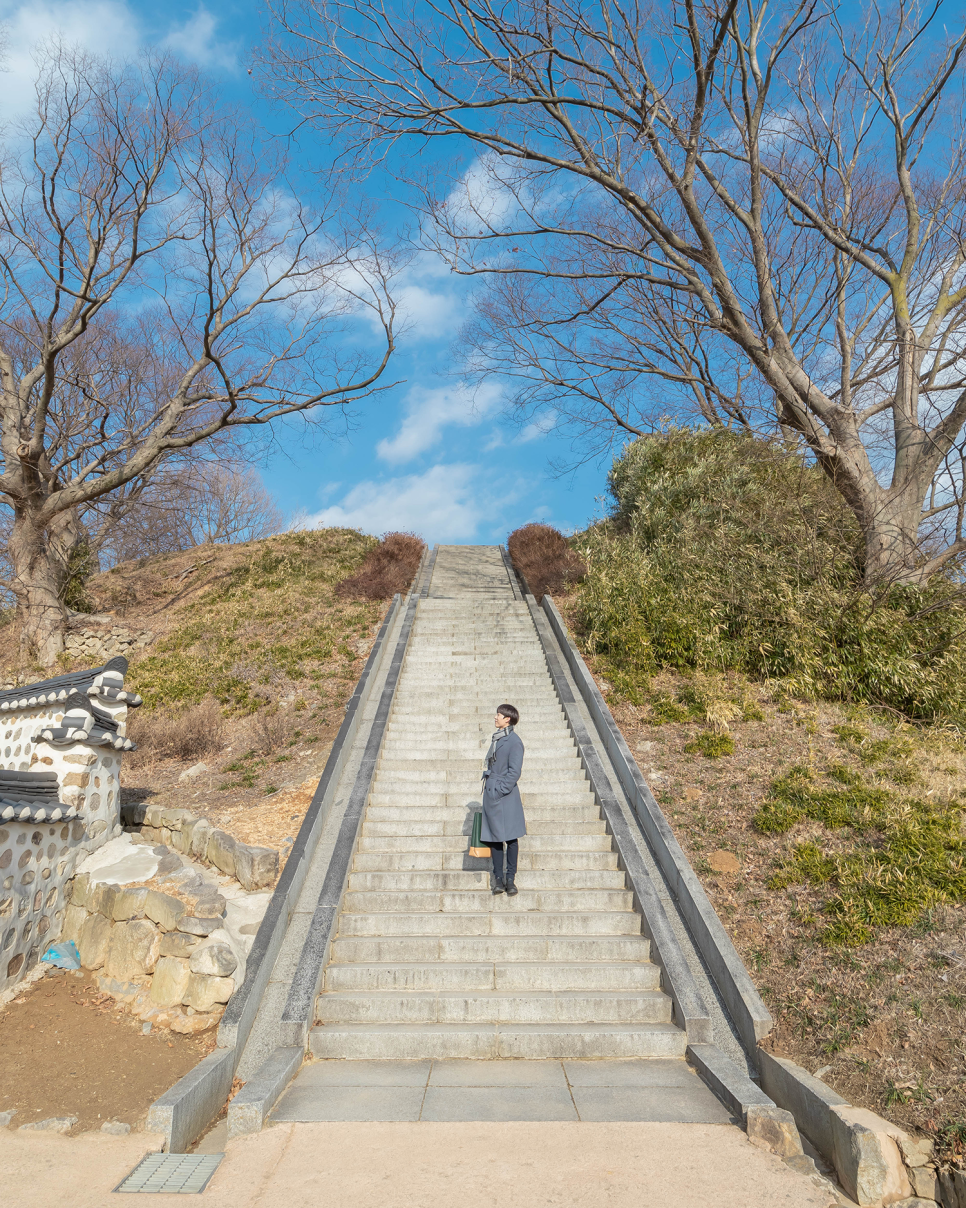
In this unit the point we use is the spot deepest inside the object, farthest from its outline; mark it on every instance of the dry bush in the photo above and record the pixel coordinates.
(542, 555)
(188, 734)
(271, 729)
(387, 569)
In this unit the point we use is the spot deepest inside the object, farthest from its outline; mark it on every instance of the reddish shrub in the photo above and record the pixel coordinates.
(544, 558)
(388, 568)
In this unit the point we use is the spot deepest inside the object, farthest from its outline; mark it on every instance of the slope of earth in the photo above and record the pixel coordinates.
(252, 662)
(800, 818)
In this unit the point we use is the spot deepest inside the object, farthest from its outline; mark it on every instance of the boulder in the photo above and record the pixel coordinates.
(221, 852)
(165, 910)
(209, 906)
(74, 917)
(57, 1124)
(773, 1129)
(197, 769)
(129, 903)
(178, 943)
(191, 1025)
(255, 867)
(80, 887)
(92, 940)
(196, 926)
(205, 992)
(201, 832)
(214, 960)
(115, 1128)
(925, 1182)
(100, 899)
(123, 991)
(170, 982)
(867, 1157)
(133, 950)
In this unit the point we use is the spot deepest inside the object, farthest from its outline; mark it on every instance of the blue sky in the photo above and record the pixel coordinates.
(429, 455)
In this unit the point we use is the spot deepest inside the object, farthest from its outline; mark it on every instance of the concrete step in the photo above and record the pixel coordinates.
(410, 881)
(535, 826)
(450, 844)
(484, 1042)
(532, 1007)
(472, 900)
(528, 861)
(557, 951)
(490, 922)
(423, 816)
(442, 805)
(399, 763)
(519, 977)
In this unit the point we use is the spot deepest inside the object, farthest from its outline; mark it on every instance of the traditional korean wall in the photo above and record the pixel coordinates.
(38, 859)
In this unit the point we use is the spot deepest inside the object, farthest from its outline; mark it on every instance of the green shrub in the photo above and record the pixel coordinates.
(711, 744)
(726, 552)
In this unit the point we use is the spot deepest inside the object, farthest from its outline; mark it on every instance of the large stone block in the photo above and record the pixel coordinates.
(196, 926)
(174, 819)
(177, 943)
(925, 1182)
(208, 906)
(867, 1157)
(92, 940)
(165, 910)
(129, 903)
(203, 992)
(214, 960)
(79, 889)
(74, 917)
(100, 898)
(191, 1025)
(133, 950)
(170, 982)
(773, 1129)
(201, 832)
(952, 1188)
(221, 852)
(255, 867)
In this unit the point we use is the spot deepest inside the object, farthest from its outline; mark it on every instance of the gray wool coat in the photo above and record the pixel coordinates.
(502, 808)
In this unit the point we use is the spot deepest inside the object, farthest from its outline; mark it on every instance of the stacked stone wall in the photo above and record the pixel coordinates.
(99, 645)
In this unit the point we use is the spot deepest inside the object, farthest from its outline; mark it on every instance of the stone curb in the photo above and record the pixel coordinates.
(744, 1003)
(876, 1162)
(690, 1010)
(184, 1111)
(299, 1007)
(249, 1108)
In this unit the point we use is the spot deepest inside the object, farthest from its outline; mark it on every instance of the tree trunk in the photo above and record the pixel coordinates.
(893, 552)
(36, 584)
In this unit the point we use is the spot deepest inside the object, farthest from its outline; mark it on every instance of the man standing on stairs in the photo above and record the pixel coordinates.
(503, 820)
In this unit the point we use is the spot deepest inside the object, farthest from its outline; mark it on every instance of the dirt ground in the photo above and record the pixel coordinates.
(66, 1051)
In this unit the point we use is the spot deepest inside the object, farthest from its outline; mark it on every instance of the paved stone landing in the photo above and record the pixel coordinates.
(644, 1090)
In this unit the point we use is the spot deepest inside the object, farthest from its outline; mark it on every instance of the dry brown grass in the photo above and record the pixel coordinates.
(388, 569)
(882, 1022)
(190, 733)
(542, 555)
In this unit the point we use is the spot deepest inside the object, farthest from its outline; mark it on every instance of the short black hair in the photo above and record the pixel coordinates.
(508, 711)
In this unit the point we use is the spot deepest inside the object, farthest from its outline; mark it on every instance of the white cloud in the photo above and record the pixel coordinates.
(428, 412)
(539, 427)
(441, 505)
(105, 27)
(195, 42)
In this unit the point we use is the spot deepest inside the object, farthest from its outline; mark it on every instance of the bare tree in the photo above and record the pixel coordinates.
(132, 197)
(753, 205)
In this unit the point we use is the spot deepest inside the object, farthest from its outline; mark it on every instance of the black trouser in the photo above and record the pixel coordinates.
(496, 850)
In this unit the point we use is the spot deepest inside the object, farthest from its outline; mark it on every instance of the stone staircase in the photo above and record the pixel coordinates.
(426, 962)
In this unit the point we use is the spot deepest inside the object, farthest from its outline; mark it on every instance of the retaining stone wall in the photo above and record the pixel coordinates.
(99, 645)
(163, 957)
(252, 867)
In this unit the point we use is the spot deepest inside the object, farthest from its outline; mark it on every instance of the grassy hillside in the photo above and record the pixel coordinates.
(253, 660)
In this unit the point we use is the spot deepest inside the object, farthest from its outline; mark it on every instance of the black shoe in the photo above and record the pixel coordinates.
(511, 889)
(498, 887)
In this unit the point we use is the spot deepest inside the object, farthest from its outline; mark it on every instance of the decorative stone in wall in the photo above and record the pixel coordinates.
(105, 643)
(60, 760)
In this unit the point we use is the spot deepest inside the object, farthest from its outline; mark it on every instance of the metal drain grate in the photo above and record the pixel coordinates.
(184, 1173)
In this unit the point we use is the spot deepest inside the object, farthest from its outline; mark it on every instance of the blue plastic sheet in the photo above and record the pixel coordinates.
(63, 956)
